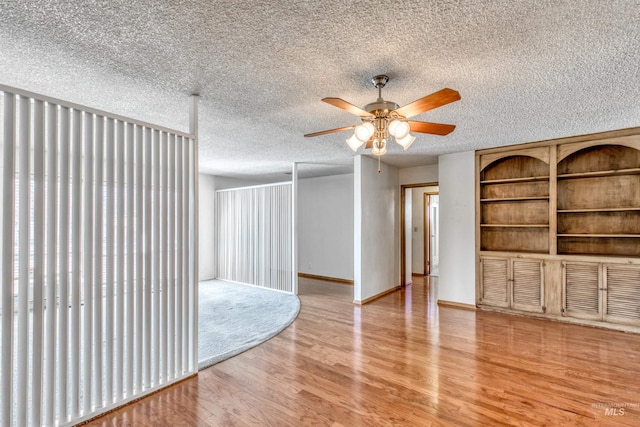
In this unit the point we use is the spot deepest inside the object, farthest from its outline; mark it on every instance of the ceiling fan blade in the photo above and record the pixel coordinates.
(324, 132)
(432, 128)
(348, 107)
(429, 102)
(369, 143)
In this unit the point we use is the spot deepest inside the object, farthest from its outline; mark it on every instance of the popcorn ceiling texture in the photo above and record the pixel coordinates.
(526, 70)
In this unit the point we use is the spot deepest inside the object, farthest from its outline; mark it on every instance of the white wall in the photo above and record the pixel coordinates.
(457, 228)
(325, 226)
(376, 228)
(419, 175)
(206, 237)
(417, 230)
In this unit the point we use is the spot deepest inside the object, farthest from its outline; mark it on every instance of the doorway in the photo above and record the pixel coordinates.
(413, 225)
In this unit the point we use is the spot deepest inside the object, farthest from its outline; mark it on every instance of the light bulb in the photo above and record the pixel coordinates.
(392, 126)
(379, 147)
(354, 143)
(402, 130)
(364, 131)
(406, 141)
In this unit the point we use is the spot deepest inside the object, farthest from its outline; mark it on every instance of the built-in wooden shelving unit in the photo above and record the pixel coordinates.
(558, 228)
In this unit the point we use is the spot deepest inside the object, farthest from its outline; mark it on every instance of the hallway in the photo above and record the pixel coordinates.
(402, 360)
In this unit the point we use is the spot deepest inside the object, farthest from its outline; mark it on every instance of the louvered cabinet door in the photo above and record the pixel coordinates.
(581, 290)
(528, 285)
(495, 282)
(622, 296)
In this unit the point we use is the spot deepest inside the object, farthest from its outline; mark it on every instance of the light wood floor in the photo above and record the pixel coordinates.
(402, 361)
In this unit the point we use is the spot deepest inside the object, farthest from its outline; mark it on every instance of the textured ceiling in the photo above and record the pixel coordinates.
(526, 70)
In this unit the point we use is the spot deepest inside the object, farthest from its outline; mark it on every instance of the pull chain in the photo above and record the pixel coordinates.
(378, 164)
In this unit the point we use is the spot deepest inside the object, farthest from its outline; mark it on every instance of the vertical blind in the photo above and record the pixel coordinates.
(97, 227)
(254, 236)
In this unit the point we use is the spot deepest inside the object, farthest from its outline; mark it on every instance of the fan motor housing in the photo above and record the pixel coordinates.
(381, 107)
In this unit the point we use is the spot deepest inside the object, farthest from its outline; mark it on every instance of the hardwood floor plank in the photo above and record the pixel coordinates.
(403, 361)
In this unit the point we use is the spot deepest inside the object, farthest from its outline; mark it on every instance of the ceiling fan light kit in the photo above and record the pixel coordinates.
(382, 119)
(379, 148)
(354, 142)
(364, 131)
(406, 141)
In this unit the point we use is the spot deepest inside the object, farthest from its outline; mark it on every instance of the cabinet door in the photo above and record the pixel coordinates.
(495, 281)
(622, 296)
(581, 290)
(527, 285)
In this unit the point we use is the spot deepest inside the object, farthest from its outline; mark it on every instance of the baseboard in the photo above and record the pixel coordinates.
(326, 278)
(376, 296)
(458, 305)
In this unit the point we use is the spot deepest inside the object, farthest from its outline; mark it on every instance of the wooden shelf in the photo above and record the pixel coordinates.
(516, 225)
(587, 210)
(515, 199)
(601, 235)
(515, 180)
(498, 252)
(597, 174)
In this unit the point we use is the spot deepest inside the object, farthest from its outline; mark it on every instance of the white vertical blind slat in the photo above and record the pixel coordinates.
(170, 190)
(193, 279)
(120, 263)
(180, 335)
(155, 318)
(24, 191)
(62, 351)
(129, 325)
(98, 261)
(139, 236)
(148, 217)
(38, 263)
(87, 270)
(163, 256)
(51, 217)
(109, 288)
(7, 266)
(74, 354)
(186, 253)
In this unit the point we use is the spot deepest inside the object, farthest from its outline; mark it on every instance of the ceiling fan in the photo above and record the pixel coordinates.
(381, 118)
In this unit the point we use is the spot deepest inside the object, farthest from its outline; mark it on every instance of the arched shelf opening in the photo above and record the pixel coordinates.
(599, 158)
(515, 168)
